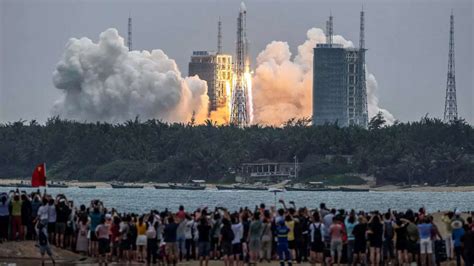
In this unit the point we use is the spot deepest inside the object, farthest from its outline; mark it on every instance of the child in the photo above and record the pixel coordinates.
(43, 242)
(282, 248)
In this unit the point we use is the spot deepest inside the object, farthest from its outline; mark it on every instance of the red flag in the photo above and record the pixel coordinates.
(38, 178)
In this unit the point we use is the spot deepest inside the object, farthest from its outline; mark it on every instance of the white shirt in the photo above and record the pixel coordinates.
(238, 232)
(327, 220)
(190, 229)
(43, 211)
(313, 227)
(51, 213)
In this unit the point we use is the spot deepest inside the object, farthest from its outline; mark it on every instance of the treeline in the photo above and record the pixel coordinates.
(428, 151)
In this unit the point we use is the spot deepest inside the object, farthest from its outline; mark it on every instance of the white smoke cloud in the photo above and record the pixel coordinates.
(105, 82)
(283, 86)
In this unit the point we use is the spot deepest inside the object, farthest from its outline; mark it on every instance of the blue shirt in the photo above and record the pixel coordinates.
(4, 208)
(95, 220)
(457, 234)
(425, 230)
(349, 228)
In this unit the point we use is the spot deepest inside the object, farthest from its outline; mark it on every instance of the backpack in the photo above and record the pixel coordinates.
(42, 238)
(228, 233)
(317, 233)
(132, 232)
(388, 230)
(150, 231)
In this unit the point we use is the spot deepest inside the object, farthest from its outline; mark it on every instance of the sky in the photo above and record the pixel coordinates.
(407, 43)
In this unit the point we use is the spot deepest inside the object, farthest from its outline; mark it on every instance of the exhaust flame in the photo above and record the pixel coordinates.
(248, 81)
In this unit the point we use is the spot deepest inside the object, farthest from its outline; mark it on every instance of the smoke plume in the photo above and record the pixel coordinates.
(283, 86)
(105, 82)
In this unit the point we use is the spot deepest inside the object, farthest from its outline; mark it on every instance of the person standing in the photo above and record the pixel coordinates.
(141, 238)
(316, 230)
(426, 245)
(4, 216)
(51, 220)
(151, 242)
(336, 232)
(62, 216)
(82, 243)
(254, 238)
(102, 234)
(267, 237)
(375, 235)
(16, 226)
(457, 234)
(170, 237)
(43, 242)
(225, 242)
(26, 220)
(283, 250)
(204, 243)
(350, 222)
(360, 240)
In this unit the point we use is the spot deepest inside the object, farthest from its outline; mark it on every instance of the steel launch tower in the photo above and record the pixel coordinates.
(239, 114)
(450, 105)
(129, 36)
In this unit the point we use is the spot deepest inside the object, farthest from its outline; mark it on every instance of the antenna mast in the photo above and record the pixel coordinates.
(129, 39)
(450, 105)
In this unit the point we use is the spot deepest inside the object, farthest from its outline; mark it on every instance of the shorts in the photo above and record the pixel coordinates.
(51, 228)
(360, 247)
(226, 249)
(214, 243)
(426, 246)
(93, 236)
(104, 246)
(124, 244)
(171, 249)
(401, 245)
(336, 245)
(45, 249)
(376, 243)
(291, 244)
(237, 248)
(413, 247)
(60, 228)
(317, 247)
(255, 245)
(141, 240)
(204, 248)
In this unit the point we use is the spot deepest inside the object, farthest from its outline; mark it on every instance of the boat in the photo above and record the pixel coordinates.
(193, 185)
(310, 186)
(161, 186)
(57, 184)
(347, 189)
(85, 186)
(19, 185)
(250, 187)
(123, 185)
(225, 187)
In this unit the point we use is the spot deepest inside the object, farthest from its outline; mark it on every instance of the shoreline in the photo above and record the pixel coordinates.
(385, 188)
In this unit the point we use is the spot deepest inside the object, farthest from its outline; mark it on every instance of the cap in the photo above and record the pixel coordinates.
(457, 212)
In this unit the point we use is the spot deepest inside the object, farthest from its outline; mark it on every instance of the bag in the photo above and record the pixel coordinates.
(388, 230)
(42, 238)
(317, 234)
(150, 232)
(440, 251)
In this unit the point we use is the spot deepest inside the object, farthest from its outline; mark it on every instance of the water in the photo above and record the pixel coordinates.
(143, 200)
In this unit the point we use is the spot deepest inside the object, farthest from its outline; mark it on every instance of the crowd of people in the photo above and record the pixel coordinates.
(287, 233)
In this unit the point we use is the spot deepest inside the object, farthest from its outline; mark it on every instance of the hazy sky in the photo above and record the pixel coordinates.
(407, 42)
